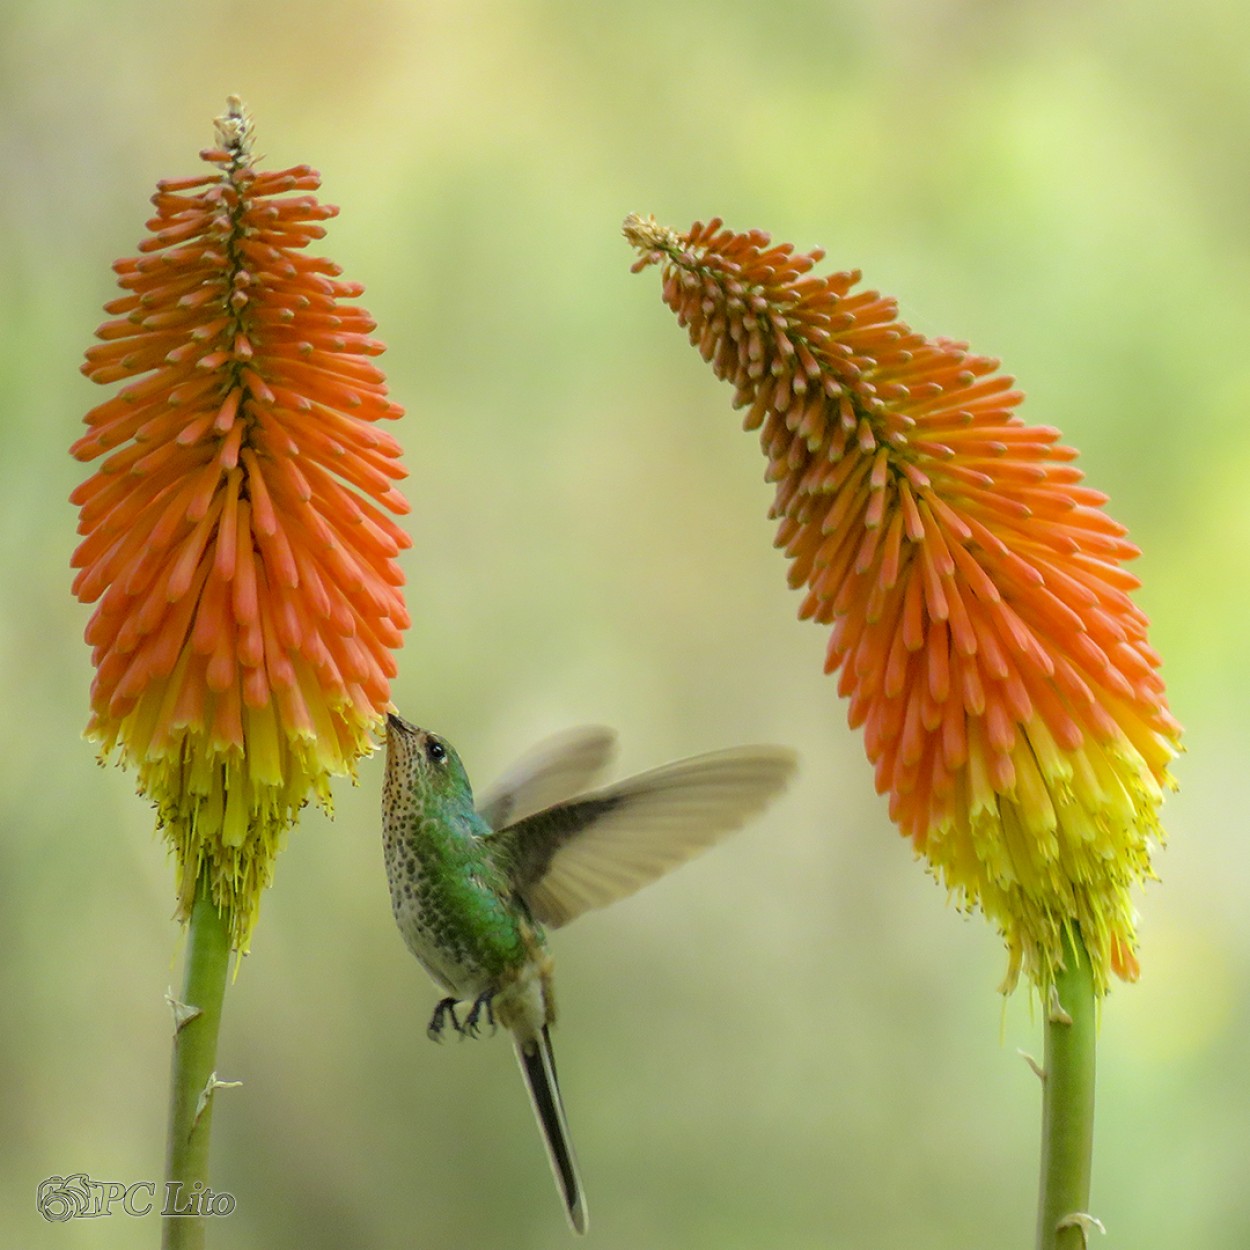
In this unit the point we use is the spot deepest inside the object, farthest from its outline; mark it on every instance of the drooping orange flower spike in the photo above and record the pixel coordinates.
(982, 623)
(235, 538)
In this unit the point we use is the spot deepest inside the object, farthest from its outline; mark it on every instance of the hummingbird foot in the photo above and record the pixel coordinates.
(480, 1003)
(445, 1008)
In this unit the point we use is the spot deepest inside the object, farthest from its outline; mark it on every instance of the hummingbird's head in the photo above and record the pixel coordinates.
(416, 757)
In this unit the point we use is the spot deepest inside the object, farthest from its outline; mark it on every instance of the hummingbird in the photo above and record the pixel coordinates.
(475, 886)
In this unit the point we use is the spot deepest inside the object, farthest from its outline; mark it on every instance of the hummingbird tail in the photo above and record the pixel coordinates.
(539, 1069)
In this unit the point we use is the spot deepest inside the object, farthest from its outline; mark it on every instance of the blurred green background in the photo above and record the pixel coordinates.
(795, 1042)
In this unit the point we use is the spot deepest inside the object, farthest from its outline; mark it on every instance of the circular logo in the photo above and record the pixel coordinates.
(61, 1198)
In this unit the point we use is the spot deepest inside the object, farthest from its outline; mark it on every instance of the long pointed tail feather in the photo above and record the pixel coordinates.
(538, 1066)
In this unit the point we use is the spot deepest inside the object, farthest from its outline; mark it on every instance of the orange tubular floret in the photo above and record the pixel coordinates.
(241, 554)
(981, 624)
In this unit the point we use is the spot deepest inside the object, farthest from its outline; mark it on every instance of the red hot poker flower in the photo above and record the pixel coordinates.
(981, 618)
(235, 537)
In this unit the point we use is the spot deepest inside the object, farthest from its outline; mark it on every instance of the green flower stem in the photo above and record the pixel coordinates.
(197, 1018)
(1063, 1219)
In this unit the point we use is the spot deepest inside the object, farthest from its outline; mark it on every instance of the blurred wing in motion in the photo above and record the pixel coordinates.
(605, 845)
(559, 768)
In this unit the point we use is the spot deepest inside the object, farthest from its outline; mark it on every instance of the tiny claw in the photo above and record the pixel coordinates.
(483, 1000)
(1085, 1222)
(446, 1007)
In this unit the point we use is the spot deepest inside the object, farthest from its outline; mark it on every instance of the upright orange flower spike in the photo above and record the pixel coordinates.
(981, 618)
(235, 538)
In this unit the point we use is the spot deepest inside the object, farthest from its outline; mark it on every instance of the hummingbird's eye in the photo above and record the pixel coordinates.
(435, 750)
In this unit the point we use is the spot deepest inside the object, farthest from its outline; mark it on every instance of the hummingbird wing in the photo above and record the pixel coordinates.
(603, 846)
(553, 771)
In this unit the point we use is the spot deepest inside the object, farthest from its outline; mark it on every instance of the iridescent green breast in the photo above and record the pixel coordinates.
(452, 903)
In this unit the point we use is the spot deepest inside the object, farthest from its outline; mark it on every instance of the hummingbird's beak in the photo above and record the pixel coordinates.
(399, 725)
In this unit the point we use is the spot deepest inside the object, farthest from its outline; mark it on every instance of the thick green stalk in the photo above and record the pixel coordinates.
(197, 1018)
(1063, 1219)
